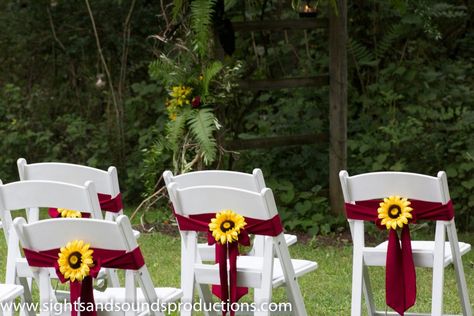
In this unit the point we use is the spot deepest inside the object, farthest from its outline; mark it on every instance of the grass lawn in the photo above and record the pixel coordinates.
(327, 291)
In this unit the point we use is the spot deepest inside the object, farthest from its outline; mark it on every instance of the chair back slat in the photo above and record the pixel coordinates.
(245, 181)
(378, 185)
(105, 182)
(55, 233)
(211, 199)
(29, 194)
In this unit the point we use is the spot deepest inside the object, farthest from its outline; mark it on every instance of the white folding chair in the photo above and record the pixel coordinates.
(34, 194)
(106, 182)
(262, 272)
(435, 254)
(251, 182)
(8, 294)
(52, 234)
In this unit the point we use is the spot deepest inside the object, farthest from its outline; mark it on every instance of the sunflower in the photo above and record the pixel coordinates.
(75, 260)
(226, 226)
(394, 211)
(69, 213)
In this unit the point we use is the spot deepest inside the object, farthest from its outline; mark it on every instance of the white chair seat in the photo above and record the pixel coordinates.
(423, 253)
(8, 292)
(290, 239)
(136, 233)
(249, 270)
(115, 294)
(207, 252)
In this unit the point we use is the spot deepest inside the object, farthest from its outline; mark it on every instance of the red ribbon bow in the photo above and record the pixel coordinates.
(228, 290)
(106, 201)
(117, 259)
(400, 275)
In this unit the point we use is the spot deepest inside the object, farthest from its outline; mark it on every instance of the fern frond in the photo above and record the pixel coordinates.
(361, 54)
(178, 8)
(201, 20)
(202, 126)
(394, 32)
(229, 4)
(208, 74)
(175, 130)
(166, 71)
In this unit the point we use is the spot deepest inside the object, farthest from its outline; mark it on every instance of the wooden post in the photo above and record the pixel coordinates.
(337, 102)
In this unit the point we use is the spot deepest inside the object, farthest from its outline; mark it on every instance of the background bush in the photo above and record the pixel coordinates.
(410, 102)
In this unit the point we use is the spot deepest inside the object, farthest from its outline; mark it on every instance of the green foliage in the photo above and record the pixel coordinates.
(201, 20)
(197, 85)
(305, 210)
(413, 113)
(410, 105)
(202, 125)
(209, 74)
(192, 92)
(175, 130)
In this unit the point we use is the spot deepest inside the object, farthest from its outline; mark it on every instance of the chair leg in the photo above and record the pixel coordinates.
(188, 257)
(459, 270)
(7, 308)
(45, 290)
(206, 297)
(113, 277)
(292, 287)
(367, 288)
(357, 267)
(438, 270)
(262, 296)
(26, 298)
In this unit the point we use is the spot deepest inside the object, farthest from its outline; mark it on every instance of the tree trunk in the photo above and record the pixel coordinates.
(337, 102)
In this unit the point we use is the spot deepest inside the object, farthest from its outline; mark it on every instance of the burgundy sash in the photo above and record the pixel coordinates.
(106, 201)
(400, 277)
(228, 290)
(103, 258)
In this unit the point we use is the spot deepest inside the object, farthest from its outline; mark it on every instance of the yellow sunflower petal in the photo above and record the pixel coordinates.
(70, 267)
(394, 211)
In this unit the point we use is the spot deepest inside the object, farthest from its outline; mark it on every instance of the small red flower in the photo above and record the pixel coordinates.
(196, 102)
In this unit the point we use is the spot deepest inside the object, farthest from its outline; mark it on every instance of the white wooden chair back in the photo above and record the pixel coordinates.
(245, 181)
(383, 184)
(251, 182)
(378, 185)
(259, 205)
(56, 233)
(210, 199)
(35, 194)
(106, 182)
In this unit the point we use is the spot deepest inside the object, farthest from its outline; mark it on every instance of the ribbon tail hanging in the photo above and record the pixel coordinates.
(222, 290)
(87, 297)
(75, 296)
(394, 282)
(235, 292)
(409, 272)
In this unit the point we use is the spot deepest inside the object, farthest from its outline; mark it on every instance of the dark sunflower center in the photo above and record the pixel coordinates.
(74, 260)
(394, 211)
(227, 225)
